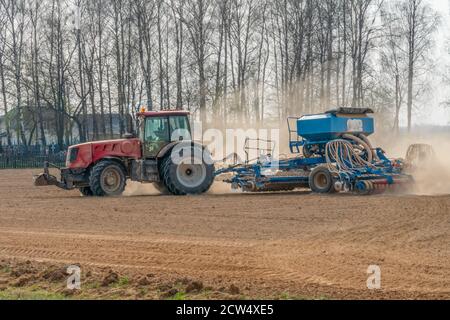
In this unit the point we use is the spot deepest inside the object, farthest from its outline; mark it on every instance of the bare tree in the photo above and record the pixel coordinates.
(145, 14)
(14, 11)
(230, 61)
(419, 22)
(393, 58)
(3, 64)
(362, 30)
(34, 13)
(197, 16)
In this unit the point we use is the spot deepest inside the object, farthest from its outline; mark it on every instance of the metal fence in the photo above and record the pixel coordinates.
(30, 160)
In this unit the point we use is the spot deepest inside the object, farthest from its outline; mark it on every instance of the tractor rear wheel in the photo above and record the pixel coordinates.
(86, 192)
(189, 176)
(321, 180)
(107, 179)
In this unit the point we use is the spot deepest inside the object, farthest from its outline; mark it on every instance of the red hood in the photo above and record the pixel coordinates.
(91, 152)
(101, 142)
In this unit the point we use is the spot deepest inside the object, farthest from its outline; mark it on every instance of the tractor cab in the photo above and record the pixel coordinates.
(160, 129)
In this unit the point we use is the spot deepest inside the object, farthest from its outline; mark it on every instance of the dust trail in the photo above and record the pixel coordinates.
(221, 188)
(433, 176)
(134, 189)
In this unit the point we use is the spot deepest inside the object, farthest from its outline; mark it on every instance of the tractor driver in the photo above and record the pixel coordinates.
(156, 135)
(157, 130)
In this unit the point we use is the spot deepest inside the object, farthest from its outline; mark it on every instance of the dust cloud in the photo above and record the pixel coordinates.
(221, 188)
(135, 189)
(432, 177)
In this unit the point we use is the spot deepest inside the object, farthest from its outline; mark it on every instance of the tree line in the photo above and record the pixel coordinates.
(229, 62)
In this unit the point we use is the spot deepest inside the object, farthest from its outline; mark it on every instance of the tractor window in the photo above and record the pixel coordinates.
(157, 130)
(179, 128)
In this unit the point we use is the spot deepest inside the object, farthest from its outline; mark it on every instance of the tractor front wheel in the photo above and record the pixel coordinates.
(107, 179)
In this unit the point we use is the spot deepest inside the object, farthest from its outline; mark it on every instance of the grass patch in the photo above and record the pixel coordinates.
(123, 281)
(180, 296)
(23, 294)
(91, 285)
(5, 269)
(287, 296)
(143, 291)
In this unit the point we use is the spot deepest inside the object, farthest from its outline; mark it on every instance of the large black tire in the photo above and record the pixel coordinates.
(107, 179)
(187, 179)
(86, 192)
(321, 180)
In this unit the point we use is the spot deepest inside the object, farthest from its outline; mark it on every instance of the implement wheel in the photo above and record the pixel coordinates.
(321, 180)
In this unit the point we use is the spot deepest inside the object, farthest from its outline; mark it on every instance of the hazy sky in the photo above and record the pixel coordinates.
(433, 112)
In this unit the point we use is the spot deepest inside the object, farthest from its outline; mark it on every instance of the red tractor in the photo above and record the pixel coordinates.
(161, 153)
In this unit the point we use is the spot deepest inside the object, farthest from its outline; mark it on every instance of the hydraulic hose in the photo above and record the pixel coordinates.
(362, 143)
(367, 141)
